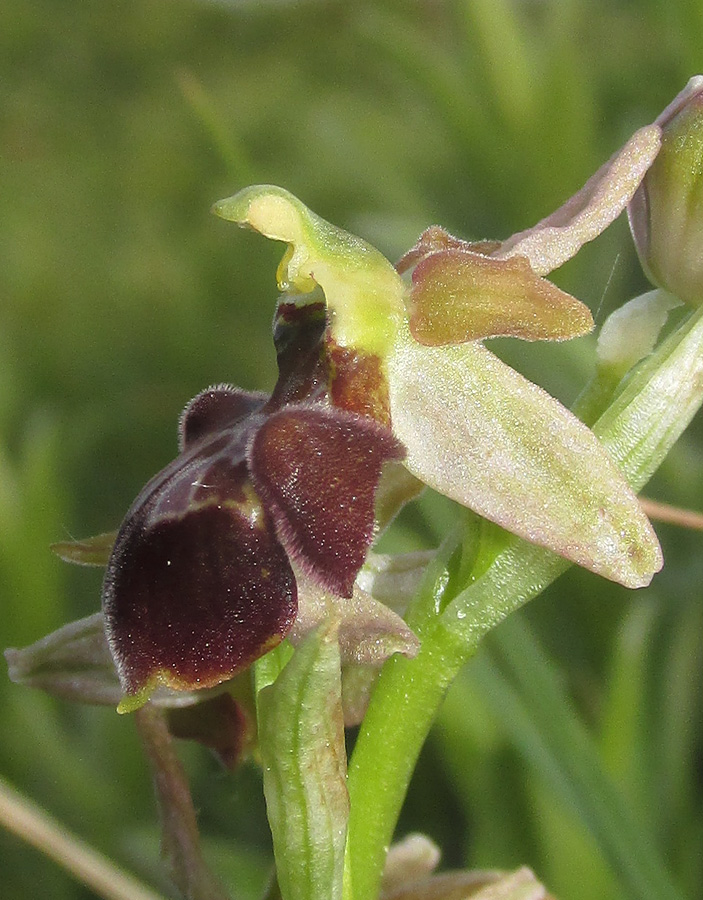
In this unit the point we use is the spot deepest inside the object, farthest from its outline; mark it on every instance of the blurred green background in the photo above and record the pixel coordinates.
(121, 297)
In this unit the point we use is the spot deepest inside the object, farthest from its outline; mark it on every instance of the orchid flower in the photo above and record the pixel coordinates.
(260, 526)
(473, 428)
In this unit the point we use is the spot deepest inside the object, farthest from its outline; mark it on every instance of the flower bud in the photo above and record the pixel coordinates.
(666, 213)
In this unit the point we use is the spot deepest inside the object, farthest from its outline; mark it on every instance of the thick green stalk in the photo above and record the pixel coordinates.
(387, 749)
(405, 704)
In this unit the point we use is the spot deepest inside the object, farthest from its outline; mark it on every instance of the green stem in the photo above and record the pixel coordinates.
(399, 717)
(406, 701)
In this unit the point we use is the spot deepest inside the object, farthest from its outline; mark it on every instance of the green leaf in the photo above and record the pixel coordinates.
(301, 736)
(542, 722)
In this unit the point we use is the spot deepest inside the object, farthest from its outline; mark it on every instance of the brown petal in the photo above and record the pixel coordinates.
(462, 296)
(434, 239)
(316, 471)
(221, 723)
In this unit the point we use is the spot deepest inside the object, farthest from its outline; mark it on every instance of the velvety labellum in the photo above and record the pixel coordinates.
(198, 586)
(199, 583)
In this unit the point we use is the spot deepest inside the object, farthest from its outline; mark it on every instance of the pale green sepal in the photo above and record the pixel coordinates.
(656, 404)
(630, 333)
(482, 434)
(92, 551)
(364, 292)
(75, 663)
(301, 736)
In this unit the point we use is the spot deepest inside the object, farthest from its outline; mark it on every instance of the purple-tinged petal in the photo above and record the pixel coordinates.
(549, 243)
(214, 410)
(693, 88)
(198, 585)
(316, 470)
(460, 296)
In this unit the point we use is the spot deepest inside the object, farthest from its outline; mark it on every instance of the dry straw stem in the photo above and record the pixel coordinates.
(30, 823)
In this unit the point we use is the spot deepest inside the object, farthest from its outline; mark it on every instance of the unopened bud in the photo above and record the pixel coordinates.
(666, 213)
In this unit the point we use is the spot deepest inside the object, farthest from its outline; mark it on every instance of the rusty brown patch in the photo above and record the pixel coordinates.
(357, 383)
